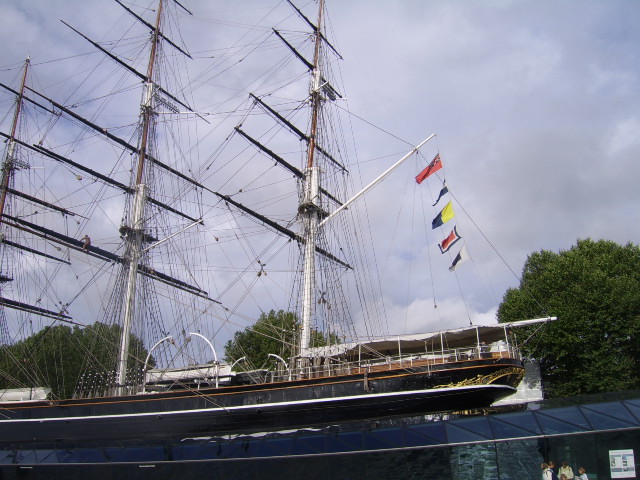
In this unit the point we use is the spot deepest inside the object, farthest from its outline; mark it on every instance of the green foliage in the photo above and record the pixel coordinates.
(594, 290)
(275, 332)
(57, 356)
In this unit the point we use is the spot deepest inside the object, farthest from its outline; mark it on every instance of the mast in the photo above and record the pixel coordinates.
(309, 208)
(136, 227)
(9, 163)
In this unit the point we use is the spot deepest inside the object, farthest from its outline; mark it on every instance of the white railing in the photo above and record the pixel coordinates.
(336, 366)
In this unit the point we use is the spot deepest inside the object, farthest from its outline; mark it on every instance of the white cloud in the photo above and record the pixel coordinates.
(534, 104)
(626, 134)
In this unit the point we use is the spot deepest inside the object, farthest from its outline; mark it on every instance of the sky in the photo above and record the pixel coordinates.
(535, 106)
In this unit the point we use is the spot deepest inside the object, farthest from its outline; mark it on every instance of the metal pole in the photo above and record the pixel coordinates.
(285, 363)
(146, 361)
(216, 365)
(376, 181)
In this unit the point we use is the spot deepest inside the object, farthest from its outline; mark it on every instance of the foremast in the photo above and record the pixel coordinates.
(135, 229)
(309, 208)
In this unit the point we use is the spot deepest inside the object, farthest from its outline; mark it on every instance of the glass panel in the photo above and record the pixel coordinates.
(474, 462)
(477, 425)
(7, 456)
(562, 420)
(460, 435)
(133, 451)
(553, 426)
(613, 409)
(578, 450)
(519, 460)
(521, 420)
(413, 439)
(606, 422)
(394, 437)
(381, 440)
(85, 455)
(196, 451)
(426, 463)
(506, 430)
(633, 408)
(271, 447)
(435, 432)
(344, 442)
(234, 449)
(308, 444)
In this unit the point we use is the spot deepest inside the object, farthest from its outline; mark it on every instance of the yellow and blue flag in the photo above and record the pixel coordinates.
(444, 216)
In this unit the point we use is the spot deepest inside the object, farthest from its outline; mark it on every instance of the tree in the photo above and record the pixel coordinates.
(275, 332)
(594, 290)
(57, 357)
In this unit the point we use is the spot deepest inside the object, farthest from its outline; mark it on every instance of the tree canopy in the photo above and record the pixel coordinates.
(59, 357)
(273, 332)
(594, 290)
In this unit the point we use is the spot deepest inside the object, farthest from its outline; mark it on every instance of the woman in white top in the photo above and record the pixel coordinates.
(566, 470)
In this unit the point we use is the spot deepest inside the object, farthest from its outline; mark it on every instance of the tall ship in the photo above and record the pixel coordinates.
(148, 212)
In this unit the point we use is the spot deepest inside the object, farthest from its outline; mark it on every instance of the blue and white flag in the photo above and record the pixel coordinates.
(444, 190)
(460, 259)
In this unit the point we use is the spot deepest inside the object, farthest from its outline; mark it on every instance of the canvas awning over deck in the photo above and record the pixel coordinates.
(419, 342)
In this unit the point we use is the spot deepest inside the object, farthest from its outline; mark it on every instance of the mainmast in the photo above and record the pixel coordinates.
(9, 163)
(135, 230)
(309, 207)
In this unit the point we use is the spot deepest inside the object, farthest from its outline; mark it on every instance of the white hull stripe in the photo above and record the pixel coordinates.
(260, 406)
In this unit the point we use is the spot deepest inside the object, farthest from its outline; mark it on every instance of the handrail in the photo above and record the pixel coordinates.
(338, 366)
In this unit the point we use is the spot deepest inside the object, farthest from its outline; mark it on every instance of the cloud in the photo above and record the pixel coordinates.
(427, 315)
(534, 104)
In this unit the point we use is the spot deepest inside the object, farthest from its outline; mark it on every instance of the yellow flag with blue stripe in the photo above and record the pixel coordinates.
(444, 216)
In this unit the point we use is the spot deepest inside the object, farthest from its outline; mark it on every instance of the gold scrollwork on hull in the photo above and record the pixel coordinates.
(516, 372)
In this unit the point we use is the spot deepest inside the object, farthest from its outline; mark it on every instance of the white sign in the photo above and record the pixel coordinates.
(622, 464)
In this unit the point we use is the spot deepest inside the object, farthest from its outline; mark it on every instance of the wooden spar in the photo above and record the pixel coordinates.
(295, 130)
(315, 29)
(147, 24)
(315, 95)
(146, 106)
(129, 67)
(7, 166)
(283, 162)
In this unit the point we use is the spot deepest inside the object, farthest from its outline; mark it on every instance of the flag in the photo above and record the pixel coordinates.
(433, 167)
(460, 259)
(444, 190)
(444, 216)
(448, 242)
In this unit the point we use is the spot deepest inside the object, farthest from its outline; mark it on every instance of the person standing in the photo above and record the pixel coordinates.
(566, 469)
(582, 474)
(546, 472)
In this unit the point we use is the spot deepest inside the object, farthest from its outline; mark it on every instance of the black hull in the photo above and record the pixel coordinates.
(256, 407)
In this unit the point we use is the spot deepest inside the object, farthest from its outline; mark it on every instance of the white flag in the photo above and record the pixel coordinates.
(460, 259)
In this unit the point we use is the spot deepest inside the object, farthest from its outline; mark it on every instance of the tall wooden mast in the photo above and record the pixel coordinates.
(309, 208)
(136, 226)
(9, 161)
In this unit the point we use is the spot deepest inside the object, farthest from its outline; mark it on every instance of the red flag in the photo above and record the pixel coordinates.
(434, 166)
(448, 242)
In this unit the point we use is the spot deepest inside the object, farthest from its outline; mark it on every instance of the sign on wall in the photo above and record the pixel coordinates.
(622, 464)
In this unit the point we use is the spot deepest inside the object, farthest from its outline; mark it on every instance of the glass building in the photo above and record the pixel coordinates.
(600, 433)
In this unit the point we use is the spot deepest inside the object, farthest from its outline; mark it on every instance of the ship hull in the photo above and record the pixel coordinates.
(258, 407)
